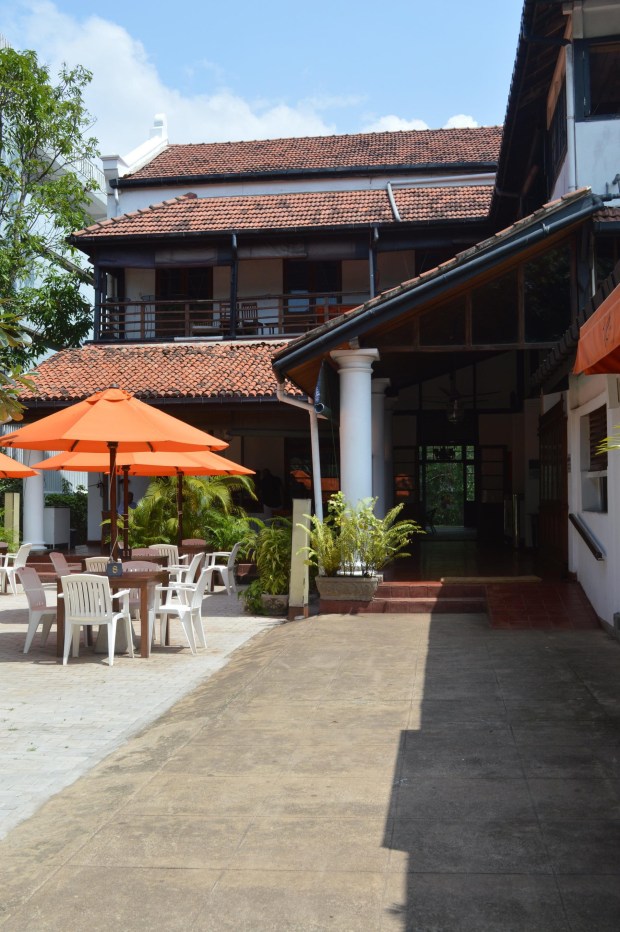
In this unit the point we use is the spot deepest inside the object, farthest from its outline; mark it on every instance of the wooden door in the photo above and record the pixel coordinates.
(553, 519)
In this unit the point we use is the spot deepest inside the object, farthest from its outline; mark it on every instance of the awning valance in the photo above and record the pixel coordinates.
(598, 349)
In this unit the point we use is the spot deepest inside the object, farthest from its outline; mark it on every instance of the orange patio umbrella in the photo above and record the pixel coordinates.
(195, 463)
(11, 469)
(110, 422)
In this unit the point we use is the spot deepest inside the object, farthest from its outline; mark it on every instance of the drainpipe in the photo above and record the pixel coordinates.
(372, 262)
(314, 443)
(571, 141)
(233, 288)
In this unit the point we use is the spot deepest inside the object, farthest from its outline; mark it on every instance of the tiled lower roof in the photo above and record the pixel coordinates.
(191, 214)
(406, 148)
(184, 371)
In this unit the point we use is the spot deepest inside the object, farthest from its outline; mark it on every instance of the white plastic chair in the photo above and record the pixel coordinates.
(88, 601)
(96, 564)
(138, 566)
(61, 566)
(184, 573)
(171, 551)
(226, 571)
(38, 610)
(11, 563)
(187, 607)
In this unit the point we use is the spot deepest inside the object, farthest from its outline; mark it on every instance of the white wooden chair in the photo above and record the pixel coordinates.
(184, 603)
(226, 571)
(88, 601)
(61, 566)
(39, 612)
(11, 563)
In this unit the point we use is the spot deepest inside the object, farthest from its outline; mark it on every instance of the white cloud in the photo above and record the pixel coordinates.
(126, 91)
(392, 123)
(461, 121)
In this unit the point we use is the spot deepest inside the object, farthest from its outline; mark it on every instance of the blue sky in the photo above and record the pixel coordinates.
(270, 68)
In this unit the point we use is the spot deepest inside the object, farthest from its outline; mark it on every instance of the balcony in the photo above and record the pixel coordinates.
(150, 319)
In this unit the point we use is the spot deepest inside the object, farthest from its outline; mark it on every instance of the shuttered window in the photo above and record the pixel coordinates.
(598, 431)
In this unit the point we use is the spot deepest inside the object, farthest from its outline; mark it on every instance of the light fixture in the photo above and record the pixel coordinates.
(455, 411)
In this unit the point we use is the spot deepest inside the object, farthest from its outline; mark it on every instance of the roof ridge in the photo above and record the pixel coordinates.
(371, 135)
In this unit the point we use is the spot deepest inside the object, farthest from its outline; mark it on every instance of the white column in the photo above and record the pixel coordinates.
(378, 387)
(355, 371)
(34, 502)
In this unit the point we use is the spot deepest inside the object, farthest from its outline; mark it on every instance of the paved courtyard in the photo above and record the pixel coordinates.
(425, 773)
(57, 722)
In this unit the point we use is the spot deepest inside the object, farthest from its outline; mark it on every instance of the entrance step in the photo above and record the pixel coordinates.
(427, 597)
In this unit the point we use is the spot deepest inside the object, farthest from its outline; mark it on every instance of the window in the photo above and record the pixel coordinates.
(494, 311)
(558, 135)
(599, 93)
(185, 283)
(547, 295)
(444, 326)
(312, 283)
(594, 463)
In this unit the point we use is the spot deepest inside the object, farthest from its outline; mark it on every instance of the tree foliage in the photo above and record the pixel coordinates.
(154, 519)
(44, 143)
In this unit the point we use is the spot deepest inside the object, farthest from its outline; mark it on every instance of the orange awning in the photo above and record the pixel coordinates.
(598, 349)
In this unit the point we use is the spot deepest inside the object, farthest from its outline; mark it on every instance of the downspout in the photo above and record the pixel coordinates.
(372, 263)
(233, 288)
(314, 444)
(571, 141)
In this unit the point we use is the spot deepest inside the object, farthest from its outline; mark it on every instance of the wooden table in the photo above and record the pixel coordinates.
(144, 582)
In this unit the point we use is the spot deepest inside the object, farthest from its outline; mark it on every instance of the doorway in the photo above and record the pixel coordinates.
(447, 479)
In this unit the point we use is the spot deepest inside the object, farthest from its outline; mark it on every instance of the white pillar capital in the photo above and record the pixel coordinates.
(360, 360)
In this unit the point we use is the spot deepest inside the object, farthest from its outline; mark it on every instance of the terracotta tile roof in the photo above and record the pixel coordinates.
(406, 149)
(222, 371)
(191, 214)
(608, 215)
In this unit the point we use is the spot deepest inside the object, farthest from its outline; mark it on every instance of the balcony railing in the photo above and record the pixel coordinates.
(150, 319)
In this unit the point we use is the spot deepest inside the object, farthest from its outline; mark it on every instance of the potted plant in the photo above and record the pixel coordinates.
(269, 545)
(350, 546)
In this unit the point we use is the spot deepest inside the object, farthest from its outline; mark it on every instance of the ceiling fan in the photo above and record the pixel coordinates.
(455, 406)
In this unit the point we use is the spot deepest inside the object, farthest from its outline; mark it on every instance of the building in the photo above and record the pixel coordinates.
(442, 274)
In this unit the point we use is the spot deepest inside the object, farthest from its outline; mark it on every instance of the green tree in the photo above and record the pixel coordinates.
(43, 198)
(155, 516)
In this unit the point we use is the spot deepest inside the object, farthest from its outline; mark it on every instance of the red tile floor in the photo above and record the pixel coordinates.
(549, 603)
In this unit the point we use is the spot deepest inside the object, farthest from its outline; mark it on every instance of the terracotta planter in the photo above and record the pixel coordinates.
(347, 588)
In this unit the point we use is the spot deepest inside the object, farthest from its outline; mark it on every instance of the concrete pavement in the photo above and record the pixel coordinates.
(56, 723)
(352, 773)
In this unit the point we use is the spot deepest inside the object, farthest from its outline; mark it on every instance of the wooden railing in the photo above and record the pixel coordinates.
(150, 319)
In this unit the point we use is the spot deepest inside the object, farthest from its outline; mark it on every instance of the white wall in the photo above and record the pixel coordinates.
(599, 579)
(598, 154)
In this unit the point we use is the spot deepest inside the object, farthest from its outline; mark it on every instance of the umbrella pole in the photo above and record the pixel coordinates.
(179, 508)
(113, 448)
(126, 512)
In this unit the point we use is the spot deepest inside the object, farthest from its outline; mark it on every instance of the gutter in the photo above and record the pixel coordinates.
(349, 329)
(314, 442)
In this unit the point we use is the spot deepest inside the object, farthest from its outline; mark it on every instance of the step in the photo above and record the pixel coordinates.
(430, 589)
(425, 605)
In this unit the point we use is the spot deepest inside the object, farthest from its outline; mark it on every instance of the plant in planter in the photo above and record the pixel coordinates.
(269, 545)
(351, 545)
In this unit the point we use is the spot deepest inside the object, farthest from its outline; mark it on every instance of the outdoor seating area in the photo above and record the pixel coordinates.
(143, 592)
(109, 432)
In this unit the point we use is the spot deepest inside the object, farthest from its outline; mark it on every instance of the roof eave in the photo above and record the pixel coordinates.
(335, 171)
(354, 324)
